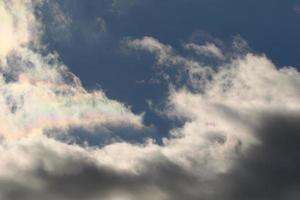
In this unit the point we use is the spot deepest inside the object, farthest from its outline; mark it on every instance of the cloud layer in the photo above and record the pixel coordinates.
(238, 140)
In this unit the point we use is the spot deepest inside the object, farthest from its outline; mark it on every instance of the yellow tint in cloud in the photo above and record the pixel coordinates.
(18, 25)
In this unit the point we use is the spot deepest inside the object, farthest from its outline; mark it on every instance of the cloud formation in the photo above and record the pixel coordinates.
(208, 49)
(39, 93)
(19, 26)
(239, 135)
(231, 114)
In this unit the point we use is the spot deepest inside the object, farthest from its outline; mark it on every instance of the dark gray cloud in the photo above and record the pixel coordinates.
(157, 177)
(269, 170)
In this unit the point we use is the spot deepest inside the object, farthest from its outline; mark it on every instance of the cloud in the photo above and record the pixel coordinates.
(102, 24)
(209, 49)
(58, 23)
(69, 172)
(231, 120)
(166, 57)
(297, 9)
(119, 7)
(162, 52)
(38, 92)
(239, 131)
(19, 26)
(273, 163)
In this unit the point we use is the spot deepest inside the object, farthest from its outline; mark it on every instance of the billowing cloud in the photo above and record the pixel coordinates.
(232, 113)
(239, 130)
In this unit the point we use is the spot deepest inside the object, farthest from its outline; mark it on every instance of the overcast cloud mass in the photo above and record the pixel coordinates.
(234, 115)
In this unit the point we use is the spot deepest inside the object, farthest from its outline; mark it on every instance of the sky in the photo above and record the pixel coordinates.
(147, 99)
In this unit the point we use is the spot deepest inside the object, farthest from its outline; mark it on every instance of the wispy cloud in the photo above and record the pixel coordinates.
(297, 9)
(59, 23)
(208, 49)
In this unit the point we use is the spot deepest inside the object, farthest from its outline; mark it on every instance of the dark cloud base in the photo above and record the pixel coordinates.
(269, 170)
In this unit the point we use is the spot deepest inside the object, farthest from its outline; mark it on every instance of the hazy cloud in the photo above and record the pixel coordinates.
(59, 23)
(297, 9)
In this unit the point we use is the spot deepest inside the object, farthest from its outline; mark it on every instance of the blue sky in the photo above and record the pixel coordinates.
(97, 56)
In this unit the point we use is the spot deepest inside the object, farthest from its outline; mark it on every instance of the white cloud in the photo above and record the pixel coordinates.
(163, 52)
(229, 106)
(209, 49)
(18, 25)
(39, 93)
(165, 56)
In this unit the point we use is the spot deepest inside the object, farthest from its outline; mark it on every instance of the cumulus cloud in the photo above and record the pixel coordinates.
(239, 134)
(232, 115)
